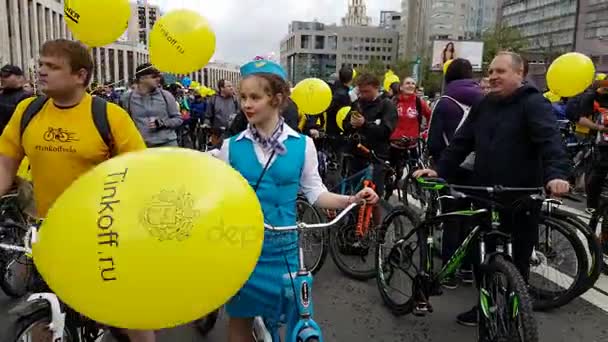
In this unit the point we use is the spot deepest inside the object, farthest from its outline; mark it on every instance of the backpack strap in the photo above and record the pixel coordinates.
(465, 109)
(419, 110)
(100, 119)
(32, 109)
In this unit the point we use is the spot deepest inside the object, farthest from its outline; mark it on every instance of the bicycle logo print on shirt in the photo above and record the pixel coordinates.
(59, 135)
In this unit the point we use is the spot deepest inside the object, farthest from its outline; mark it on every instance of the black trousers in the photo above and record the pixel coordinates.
(598, 174)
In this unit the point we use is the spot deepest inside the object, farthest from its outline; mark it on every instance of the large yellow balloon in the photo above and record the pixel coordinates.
(97, 23)
(446, 65)
(570, 74)
(312, 95)
(341, 115)
(131, 245)
(390, 79)
(181, 42)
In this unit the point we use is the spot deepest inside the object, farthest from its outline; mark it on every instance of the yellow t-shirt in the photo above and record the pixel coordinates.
(62, 144)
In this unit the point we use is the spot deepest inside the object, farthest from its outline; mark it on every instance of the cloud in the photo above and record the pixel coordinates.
(246, 28)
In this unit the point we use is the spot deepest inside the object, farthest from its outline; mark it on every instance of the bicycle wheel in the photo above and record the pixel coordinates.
(313, 242)
(34, 327)
(399, 260)
(505, 307)
(351, 253)
(558, 265)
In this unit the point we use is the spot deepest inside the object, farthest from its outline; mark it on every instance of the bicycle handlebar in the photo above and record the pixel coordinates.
(29, 237)
(488, 189)
(302, 225)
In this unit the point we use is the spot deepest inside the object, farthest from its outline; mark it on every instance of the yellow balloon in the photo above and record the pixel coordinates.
(194, 85)
(131, 245)
(390, 79)
(446, 65)
(97, 23)
(312, 95)
(341, 115)
(570, 74)
(181, 42)
(552, 97)
(354, 74)
(600, 77)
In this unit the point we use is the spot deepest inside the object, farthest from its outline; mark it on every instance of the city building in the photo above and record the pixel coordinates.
(481, 16)
(592, 32)
(313, 49)
(214, 72)
(414, 30)
(390, 20)
(357, 14)
(547, 26)
(446, 19)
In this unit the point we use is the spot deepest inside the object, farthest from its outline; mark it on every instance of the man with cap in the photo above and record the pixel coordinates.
(153, 109)
(11, 79)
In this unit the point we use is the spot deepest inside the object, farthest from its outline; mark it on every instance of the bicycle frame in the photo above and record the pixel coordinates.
(296, 290)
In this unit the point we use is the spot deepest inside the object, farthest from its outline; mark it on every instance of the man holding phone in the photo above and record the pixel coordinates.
(373, 119)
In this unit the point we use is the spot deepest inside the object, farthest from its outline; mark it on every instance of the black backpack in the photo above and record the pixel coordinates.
(100, 117)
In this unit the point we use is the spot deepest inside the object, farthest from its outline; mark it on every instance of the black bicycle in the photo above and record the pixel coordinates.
(504, 305)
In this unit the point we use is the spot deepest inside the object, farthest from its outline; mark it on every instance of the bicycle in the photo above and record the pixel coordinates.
(297, 292)
(504, 305)
(355, 238)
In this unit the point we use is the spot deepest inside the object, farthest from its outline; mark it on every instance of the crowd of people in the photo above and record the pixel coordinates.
(497, 130)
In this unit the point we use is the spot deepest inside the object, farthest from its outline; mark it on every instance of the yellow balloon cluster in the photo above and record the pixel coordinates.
(570, 74)
(312, 95)
(181, 41)
(130, 245)
(99, 22)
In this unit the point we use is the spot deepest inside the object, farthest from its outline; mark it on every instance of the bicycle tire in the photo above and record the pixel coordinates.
(318, 218)
(396, 308)
(547, 299)
(20, 325)
(593, 247)
(334, 247)
(517, 285)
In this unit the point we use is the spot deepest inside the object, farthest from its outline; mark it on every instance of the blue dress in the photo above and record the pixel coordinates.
(277, 193)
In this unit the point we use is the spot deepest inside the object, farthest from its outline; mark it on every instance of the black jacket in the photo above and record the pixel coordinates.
(340, 99)
(516, 140)
(380, 121)
(290, 114)
(8, 102)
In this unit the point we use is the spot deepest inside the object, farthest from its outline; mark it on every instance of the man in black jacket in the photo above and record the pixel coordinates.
(340, 99)
(373, 119)
(11, 78)
(517, 144)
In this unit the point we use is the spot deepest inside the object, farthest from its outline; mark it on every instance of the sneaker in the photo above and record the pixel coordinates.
(450, 283)
(466, 276)
(469, 318)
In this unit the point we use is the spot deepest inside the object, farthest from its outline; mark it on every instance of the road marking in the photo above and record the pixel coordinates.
(597, 296)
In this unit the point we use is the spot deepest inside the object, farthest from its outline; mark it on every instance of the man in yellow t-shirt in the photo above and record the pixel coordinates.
(62, 140)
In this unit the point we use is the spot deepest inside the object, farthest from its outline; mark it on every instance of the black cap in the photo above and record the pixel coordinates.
(145, 70)
(8, 70)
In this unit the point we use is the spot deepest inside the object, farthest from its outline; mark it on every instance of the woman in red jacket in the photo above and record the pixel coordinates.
(411, 111)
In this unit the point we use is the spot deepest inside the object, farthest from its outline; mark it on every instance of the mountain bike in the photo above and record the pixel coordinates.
(296, 294)
(504, 305)
(350, 244)
(15, 269)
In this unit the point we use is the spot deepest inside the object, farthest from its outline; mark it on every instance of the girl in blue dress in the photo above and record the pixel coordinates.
(278, 163)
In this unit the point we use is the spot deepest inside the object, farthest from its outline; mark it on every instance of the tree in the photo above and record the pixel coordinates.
(374, 67)
(502, 38)
(403, 68)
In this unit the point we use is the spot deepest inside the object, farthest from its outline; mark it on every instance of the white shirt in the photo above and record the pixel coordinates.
(310, 182)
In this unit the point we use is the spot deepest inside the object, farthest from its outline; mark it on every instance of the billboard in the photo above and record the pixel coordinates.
(444, 50)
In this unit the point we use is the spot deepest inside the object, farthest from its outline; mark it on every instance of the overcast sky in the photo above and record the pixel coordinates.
(246, 28)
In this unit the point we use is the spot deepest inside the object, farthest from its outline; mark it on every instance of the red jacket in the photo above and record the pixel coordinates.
(408, 123)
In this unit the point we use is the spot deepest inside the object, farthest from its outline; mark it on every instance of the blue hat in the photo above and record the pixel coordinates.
(263, 66)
